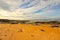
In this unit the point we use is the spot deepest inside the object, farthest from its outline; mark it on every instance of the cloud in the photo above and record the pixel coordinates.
(29, 4)
(4, 5)
(29, 9)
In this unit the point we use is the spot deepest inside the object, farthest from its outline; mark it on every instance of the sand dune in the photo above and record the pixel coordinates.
(29, 32)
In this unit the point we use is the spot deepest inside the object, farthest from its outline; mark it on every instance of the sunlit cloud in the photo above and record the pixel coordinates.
(29, 9)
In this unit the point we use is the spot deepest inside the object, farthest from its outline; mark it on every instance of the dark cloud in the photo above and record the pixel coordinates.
(4, 6)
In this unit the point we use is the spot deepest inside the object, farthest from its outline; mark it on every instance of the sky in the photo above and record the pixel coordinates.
(29, 9)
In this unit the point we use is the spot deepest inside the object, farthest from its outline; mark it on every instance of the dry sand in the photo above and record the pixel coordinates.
(28, 32)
